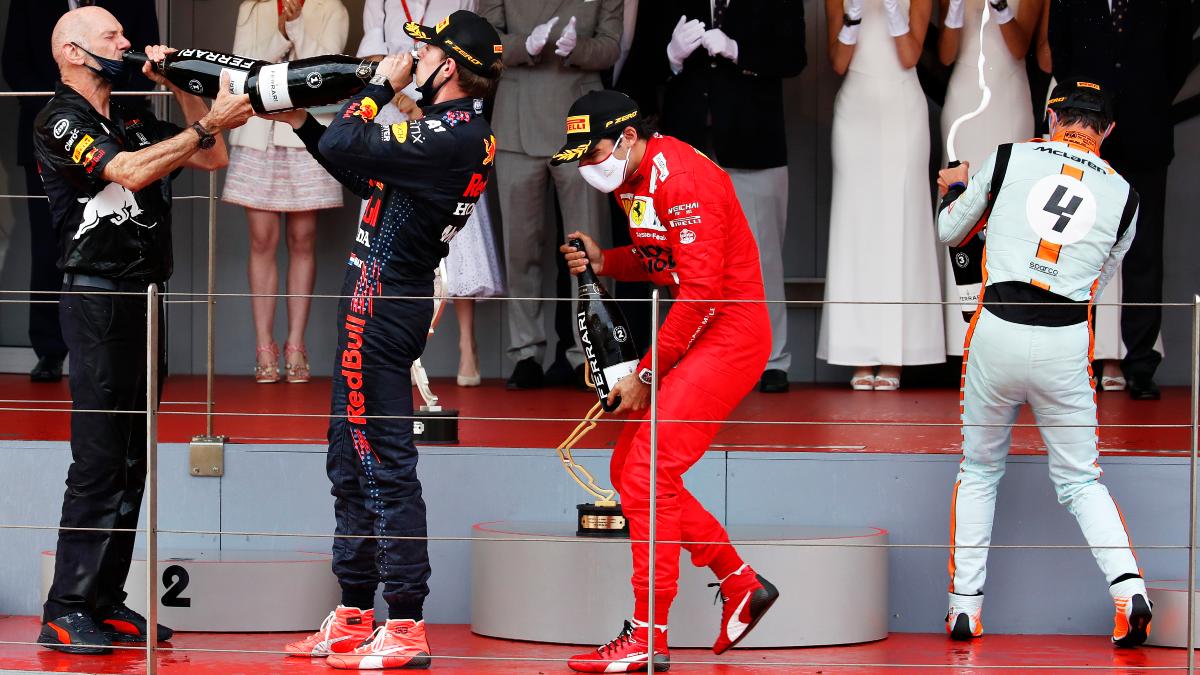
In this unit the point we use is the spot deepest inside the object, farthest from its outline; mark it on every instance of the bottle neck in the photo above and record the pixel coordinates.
(588, 276)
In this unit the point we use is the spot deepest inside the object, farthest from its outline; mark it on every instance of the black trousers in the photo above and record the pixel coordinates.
(372, 463)
(106, 336)
(45, 333)
(1142, 271)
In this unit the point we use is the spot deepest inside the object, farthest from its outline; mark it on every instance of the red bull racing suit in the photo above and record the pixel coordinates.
(689, 234)
(423, 179)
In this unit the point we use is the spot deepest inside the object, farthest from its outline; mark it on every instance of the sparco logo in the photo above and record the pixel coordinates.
(619, 334)
(60, 128)
(314, 80)
(195, 86)
(962, 260)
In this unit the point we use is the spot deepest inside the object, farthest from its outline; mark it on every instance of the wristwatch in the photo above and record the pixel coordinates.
(207, 140)
(646, 376)
(847, 21)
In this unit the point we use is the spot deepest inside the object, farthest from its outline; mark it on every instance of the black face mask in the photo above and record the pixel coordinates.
(115, 71)
(428, 90)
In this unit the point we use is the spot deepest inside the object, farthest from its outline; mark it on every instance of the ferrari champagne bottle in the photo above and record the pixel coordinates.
(608, 346)
(273, 87)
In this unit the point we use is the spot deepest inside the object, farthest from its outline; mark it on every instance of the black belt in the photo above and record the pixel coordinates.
(105, 284)
(1062, 312)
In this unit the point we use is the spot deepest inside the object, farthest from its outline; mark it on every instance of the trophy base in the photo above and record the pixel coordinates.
(601, 521)
(435, 427)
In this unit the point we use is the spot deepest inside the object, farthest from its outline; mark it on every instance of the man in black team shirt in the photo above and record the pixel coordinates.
(107, 170)
(423, 178)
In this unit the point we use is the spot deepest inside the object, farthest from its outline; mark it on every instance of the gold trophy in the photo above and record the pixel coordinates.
(602, 518)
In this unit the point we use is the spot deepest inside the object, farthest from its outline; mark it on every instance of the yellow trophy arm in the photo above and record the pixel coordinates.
(604, 497)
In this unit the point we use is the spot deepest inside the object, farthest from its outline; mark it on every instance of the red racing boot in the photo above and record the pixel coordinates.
(401, 643)
(342, 631)
(626, 653)
(745, 598)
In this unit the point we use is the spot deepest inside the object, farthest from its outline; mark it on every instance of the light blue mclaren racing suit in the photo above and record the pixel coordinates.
(1060, 221)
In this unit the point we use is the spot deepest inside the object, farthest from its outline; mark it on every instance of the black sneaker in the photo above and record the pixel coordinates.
(1144, 389)
(560, 373)
(121, 624)
(527, 375)
(74, 633)
(773, 382)
(48, 369)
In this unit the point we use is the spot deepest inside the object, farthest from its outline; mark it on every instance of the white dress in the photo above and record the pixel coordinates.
(1007, 119)
(881, 233)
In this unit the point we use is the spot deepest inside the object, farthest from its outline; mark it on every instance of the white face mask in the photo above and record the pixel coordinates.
(608, 175)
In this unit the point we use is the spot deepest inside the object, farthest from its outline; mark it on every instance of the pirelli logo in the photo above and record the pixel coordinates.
(83, 144)
(579, 124)
(497, 49)
(441, 25)
(1089, 85)
(622, 118)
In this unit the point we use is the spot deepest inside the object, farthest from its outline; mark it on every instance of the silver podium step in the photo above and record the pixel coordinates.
(834, 591)
(232, 591)
(1169, 628)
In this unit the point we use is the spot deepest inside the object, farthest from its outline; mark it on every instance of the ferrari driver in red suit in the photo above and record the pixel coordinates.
(690, 235)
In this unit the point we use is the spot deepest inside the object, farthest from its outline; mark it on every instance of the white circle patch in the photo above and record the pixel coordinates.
(314, 80)
(1061, 209)
(60, 128)
(686, 236)
(195, 86)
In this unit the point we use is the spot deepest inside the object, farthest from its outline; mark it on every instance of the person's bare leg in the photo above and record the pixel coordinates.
(301, 277)
(263, 275)
(468, 357)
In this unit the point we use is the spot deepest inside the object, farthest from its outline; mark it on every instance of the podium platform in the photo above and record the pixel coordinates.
(575, 590)
(1170, 614)
(231, 591)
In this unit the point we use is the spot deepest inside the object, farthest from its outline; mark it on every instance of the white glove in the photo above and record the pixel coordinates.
(1002, 11)
(719, 44)
(954, 15)
(897, 18)
(537, 38)
(686, 37)
(848, 35)
(567, 41)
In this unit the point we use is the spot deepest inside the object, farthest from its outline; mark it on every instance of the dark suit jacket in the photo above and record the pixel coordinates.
(1144, 66)
(744, 99)
(29, 64)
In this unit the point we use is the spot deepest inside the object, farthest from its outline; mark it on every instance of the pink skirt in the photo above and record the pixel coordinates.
(279, 179)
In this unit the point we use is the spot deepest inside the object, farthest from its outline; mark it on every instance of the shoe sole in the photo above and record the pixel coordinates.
(51, 642)
(760, 601)
(962, 629)
(134, 639)
(1139, 624)
(662, 664)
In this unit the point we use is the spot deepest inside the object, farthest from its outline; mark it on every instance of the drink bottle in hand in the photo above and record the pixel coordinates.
(607, 343)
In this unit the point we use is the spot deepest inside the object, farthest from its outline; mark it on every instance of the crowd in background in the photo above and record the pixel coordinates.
(710, 72)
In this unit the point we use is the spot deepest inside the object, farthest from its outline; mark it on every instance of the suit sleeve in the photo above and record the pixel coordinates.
(310, 133)
(961, 210)
(600, 50)
(699, 265)
(780, 52)
(621, 263)
(515, 53)
(79, 153)
(1113, 263)
(402, 158)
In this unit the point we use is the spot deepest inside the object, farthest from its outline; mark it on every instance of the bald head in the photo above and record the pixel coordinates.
(92, 28)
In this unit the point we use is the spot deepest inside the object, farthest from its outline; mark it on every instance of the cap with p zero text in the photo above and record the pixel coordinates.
(1080, 95)
(466, 37)
(595, 115)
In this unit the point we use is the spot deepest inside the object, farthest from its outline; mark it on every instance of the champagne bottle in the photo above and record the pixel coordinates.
(608, 346)
(273, 87)
(966, 262)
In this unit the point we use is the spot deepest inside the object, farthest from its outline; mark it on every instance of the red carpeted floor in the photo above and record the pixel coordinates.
(829, 418)
(918, 653)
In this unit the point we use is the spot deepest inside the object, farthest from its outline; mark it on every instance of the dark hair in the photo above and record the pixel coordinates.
(478, 86)
(1095, 120)
(644, 126)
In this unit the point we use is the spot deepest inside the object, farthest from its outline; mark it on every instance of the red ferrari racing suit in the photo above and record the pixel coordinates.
(689, 234)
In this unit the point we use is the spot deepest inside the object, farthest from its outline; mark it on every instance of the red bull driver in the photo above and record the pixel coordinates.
(689, 234)
(422, 179)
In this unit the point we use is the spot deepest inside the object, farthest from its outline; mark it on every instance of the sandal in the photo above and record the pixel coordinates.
(470, 380)
(298, 372)
(863, 383)
(1112, 383)
(886, 383)
(267, 373)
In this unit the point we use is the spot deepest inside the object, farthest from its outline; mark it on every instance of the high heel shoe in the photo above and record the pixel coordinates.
(266, 373)
(470, 380)
(297, 373)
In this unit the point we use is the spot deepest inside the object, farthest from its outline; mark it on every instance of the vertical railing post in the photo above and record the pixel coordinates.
(1191, 598)
(152, 374)
(650, 601)
(210, 303)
